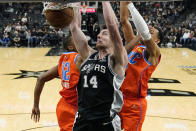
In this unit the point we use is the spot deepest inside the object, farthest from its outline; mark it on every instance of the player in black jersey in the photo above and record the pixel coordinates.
(101, 75)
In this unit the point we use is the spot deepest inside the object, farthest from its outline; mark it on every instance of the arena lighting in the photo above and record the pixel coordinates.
(71, 1)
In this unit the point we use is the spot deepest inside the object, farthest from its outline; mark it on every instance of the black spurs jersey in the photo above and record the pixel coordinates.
(98, 89)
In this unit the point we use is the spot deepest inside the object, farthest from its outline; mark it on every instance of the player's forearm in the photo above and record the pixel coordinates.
(139, 22)
(124, 13)
(37, 92)
(109, 15)
(111, 23)
(124, 20)
(152, 48)
(80, 41)
(128, 31)
(79, 20)
(79, 37)
(41, 80)
(76, 18)
(130, 45)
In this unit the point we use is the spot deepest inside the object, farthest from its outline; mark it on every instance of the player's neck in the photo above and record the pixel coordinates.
(102, 53)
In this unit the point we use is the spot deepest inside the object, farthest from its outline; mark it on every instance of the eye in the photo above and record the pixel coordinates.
(105, 33)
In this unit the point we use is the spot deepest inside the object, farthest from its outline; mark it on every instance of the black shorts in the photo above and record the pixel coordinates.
(93, 125)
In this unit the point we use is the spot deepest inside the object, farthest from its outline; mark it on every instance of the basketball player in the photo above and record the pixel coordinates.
(67, 69)
(143, 60)
(101, 75)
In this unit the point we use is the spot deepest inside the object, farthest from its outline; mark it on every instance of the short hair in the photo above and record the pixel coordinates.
(160, 34)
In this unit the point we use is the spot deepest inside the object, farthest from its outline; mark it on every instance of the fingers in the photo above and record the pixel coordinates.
(38, 118)
(35, 116)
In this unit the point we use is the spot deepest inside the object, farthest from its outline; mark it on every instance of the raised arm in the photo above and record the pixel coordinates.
(119, 53)
(47, 76)
(79, 37)
(131, 44)
(124, 20)
(151, 47)
(130, 38)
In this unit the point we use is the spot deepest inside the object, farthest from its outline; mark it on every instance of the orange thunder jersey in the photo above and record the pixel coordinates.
(138, 73)
(69, 76)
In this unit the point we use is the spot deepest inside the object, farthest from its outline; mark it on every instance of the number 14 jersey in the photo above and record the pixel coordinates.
(98, 89)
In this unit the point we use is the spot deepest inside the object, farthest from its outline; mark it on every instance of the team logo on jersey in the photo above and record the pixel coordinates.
(89, 68)
(94, 67)
(132, 56)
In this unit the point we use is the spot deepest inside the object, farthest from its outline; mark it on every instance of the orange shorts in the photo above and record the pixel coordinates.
(133, 114)
(65, 115)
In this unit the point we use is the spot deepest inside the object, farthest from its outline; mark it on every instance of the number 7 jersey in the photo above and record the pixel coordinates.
(98, 88)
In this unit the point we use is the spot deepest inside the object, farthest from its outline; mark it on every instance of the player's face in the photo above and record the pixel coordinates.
(155, 33)
(103, 39)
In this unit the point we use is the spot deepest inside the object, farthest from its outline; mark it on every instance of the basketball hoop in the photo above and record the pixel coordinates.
(58, 6)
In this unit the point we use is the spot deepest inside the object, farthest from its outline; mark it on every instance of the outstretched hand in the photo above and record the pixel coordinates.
(35, 115)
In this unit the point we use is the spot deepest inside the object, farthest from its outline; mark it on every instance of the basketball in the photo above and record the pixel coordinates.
(59, 18)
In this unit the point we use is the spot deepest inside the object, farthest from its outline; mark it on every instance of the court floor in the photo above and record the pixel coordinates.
(171, 100)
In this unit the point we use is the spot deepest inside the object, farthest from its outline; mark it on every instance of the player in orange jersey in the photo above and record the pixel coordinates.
(67, 70)
(143, 58)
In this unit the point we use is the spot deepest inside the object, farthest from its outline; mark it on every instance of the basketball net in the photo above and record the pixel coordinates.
(58, 6)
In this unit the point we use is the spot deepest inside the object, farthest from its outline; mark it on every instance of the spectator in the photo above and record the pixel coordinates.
(40, 35)
(17, 40)
(23, 41)
(5, 41)
(96, 30)
(28, 37)
(60, 33)
(24, 19)
(54, 38)
(172, 37)
(185, 39)
(8, 28)
(34, 38)
(18, 27)
(193, 39)
(23, 27)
